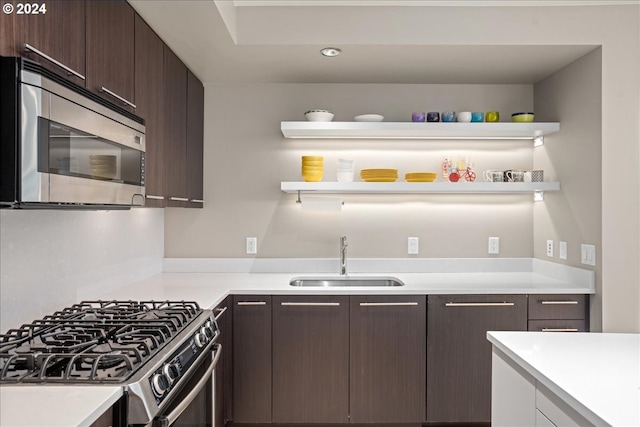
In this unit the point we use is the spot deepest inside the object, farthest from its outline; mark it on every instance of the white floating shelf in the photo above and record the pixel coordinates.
(418, 187)
(410, 130)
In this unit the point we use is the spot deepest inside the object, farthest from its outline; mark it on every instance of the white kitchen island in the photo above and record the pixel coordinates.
(565, 379)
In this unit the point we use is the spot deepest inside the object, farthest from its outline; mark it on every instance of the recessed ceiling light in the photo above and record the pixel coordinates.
(331, 51)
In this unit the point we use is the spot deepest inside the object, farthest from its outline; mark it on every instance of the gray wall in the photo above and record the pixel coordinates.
(573, 96)
(52, 259)
(246, 158)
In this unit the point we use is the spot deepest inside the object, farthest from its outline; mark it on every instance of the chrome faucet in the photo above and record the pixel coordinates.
(343, 255)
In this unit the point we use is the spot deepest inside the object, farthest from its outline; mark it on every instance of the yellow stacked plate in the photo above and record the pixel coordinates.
(312, 168)
(420, 176)
(379, 175)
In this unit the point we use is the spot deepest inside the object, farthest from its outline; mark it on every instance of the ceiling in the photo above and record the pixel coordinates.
(382, 42)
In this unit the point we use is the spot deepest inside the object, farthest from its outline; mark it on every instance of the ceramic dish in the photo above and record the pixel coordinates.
(522, 117)
(369, 118)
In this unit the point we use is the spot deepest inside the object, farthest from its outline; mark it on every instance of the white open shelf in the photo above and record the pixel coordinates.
(418, 187)
(410, 130)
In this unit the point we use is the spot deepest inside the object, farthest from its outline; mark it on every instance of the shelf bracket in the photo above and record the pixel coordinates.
(538, 141)
(538, 196)
(299, 200)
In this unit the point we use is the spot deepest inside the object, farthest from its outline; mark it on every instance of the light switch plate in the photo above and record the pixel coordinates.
(563, 250)
(588, 254)
(252, 245)
(413, 245)
(494, 245)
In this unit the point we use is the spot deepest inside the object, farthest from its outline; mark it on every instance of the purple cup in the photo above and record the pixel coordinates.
(433, 116)
(417, 117)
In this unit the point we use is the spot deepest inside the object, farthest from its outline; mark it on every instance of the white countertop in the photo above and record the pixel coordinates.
(596, 374)
(57, 405)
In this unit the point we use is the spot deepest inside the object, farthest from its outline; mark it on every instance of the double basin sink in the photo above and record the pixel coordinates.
(331, 281)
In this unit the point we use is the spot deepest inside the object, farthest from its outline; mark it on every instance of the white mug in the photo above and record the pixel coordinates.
(493, 176)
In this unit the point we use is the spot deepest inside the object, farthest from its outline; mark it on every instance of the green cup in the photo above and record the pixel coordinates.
(492, 116)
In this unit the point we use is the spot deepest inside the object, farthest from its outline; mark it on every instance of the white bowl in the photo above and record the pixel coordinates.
(345, 176)
(369, 118)
(319, 116)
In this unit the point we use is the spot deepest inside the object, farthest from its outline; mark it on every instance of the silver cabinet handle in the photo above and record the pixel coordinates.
(559, 329)
(116, 96)
(179, 199)
(479, 304)
(252, 303)
(41, 54)
(196, 200)
(193, 393)
(387, 304)
(149, 196)
(559, 302)
(221, 312)
(311, 304)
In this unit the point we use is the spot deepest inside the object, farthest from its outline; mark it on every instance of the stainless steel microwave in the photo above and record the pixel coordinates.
(62, 146)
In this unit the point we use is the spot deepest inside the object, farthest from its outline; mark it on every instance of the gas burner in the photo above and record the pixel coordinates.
(93, 341)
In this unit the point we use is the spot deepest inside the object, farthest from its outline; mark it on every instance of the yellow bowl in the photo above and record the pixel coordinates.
(312, 169)
(522, 117)
(312, 178)
(320, 158)
(313, 164)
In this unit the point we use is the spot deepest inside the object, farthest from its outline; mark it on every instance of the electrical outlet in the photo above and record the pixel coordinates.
(494, 245)
(588, 254)
(563, 250)
(252, 245)
(550, 248)
(413, 245)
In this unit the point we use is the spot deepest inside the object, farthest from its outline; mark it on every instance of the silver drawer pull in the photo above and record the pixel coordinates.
(179, 199)
(69, 70)
(220, 312)
(387, 304)
(480, 304)
(311, 304)
(559, 302)
(149, 196)
(252, 303)
(116, 96)
(196, 200)
(559, 329)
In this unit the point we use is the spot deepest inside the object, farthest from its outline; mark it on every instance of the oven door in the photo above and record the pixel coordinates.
(194, 405)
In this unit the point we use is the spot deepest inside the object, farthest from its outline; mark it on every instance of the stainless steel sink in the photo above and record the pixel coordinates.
(345, 281)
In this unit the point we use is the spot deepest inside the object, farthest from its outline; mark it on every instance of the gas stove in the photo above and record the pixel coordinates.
(152, 348)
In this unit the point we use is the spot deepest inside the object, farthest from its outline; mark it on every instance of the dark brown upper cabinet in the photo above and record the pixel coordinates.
(459, 355)
(195, 137)
(110, 51)
(149, 97)
(388, 359)
(7, 46)
(56, 39)
(174, 171)
(311, 359)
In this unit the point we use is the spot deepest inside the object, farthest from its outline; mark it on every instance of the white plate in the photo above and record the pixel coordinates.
(369, 118)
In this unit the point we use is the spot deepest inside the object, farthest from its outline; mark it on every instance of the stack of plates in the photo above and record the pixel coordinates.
(103, 166)
(420, 176)
(379, 175)
(312, 168)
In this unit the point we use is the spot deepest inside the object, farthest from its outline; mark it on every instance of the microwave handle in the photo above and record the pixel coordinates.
(167, 420)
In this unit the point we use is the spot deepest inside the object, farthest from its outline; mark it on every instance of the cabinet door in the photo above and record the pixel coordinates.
(7, 47)
(149, 102)
(251, 359)
(459, 355)
(110, 50)
(224, 370)
(175, 130)
(387, 361)
(195, 129)
(310, 359)
(59, 34)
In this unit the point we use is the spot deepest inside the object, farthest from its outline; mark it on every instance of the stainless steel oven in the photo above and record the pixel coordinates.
(63, 146)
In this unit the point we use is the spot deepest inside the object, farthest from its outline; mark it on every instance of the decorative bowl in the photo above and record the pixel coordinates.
(522, 117)
(369, 118)
(464, 116)
(319, 116)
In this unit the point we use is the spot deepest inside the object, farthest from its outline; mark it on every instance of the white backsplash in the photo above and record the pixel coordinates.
(51, 259)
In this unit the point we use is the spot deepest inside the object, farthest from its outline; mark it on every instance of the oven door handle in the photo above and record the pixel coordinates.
(167, 420)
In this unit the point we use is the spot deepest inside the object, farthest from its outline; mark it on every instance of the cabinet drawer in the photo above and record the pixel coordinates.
(557, 306)
(558, 325)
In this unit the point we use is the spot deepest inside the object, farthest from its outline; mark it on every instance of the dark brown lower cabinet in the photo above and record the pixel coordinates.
(252, 359)
(387, 360)
(559, 313)
(310, 359)
(459, 355)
